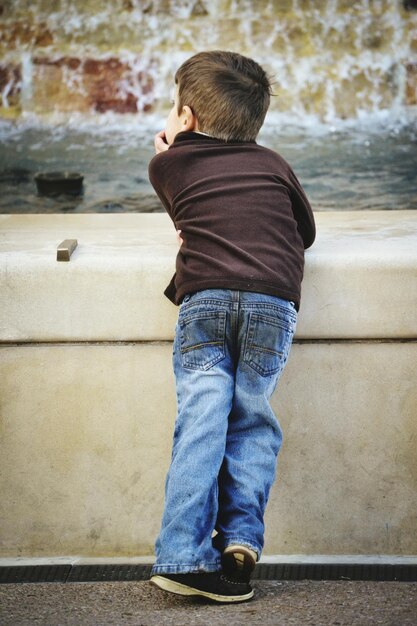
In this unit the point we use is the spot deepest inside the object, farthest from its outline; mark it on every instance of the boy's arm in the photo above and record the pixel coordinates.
(155, 171)
(155, 179)
(302, 211)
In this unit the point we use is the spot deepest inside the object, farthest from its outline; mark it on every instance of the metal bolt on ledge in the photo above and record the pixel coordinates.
(65, 249)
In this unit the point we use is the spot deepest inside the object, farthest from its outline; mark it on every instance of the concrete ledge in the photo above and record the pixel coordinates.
(297, 559)
(360, 278)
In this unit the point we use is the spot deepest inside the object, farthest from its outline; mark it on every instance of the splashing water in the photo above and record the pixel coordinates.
(330, 60)
(339, 114)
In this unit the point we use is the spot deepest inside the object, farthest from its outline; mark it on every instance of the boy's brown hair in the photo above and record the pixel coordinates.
(228, 93)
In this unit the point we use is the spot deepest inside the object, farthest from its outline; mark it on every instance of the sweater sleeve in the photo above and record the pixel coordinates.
(157, 176)
(302, 211)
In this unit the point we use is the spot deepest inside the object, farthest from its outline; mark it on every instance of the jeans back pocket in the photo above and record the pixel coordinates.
(268, 342)
(202, 338)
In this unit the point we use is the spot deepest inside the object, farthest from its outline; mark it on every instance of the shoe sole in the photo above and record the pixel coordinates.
(238, 563)
(184, 590)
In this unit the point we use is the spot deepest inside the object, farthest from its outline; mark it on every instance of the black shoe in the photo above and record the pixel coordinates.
(238, 563)
(214, 585)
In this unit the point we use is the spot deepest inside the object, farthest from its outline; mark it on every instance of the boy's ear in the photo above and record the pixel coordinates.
(188, 119)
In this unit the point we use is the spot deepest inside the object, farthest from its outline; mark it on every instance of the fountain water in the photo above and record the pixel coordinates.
(88, 82)
(331, 59)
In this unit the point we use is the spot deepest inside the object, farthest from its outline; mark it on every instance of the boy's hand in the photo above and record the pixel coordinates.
(160, 142)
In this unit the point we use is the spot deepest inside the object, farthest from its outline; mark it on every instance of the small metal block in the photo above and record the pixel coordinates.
(65, 249)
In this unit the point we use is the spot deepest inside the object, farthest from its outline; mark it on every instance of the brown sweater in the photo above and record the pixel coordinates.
(243, 215)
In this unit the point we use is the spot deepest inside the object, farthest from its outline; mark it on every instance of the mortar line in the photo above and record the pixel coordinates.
(11, 344)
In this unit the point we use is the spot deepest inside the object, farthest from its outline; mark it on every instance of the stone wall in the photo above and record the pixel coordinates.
(88, 398)
(330, 58)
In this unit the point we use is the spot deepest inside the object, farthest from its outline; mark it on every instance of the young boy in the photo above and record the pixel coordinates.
(243, 222)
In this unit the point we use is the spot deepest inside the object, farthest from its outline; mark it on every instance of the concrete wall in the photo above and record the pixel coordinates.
(88, 399)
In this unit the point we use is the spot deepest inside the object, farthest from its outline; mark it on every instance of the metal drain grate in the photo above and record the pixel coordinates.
(263, 571)
(84, 573)
(335, 571)
(34, 573)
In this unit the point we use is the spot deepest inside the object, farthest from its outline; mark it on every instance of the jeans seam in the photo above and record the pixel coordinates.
(202, 422)
(243, 542)
(186, 568)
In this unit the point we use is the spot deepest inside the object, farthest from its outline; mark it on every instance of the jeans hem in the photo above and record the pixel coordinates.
(186, 568)
(243, 542)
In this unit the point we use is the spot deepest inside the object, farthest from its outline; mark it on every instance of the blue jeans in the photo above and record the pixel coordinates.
(229, 351)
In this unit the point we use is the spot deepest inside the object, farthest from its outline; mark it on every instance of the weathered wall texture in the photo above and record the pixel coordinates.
(87, 393)
(332, 58)
(83, 472)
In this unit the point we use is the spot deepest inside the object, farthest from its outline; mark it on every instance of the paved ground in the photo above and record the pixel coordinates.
(299, 603)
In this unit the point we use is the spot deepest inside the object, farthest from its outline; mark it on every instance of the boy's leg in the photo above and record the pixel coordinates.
(266, 329)
(205, 385)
